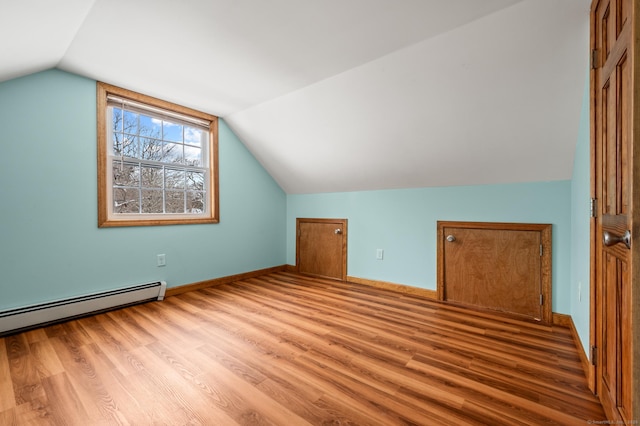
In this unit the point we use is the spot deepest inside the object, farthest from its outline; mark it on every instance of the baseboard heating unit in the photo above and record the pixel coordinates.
(28, 317)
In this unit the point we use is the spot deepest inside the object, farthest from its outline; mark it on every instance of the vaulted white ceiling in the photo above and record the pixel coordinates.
(340, 95)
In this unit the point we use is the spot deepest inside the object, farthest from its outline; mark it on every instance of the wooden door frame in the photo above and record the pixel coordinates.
(342, 223)
(545, 259)
(593, 252)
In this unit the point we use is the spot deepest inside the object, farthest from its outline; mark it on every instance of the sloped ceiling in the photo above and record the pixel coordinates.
(340, 95)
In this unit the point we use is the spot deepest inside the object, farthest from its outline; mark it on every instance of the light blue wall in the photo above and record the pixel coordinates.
(403, 224)
(50, 245)
(580, 226)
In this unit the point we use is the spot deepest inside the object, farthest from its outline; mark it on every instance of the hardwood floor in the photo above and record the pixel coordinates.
(285, 349)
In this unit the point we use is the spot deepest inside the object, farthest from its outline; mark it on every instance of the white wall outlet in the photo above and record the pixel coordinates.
(379, 254)
(162, 260)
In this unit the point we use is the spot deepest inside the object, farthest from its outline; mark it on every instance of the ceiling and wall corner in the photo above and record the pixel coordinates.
(338, 95)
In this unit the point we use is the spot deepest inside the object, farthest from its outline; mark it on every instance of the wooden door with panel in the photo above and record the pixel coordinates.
(321, 248)
(496, 266)
(613, 24)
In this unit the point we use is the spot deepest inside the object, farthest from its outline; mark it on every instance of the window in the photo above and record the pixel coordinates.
(157, 161)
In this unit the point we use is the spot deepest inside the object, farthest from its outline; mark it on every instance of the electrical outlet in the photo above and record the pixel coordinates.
(379, 254)
(162, 260)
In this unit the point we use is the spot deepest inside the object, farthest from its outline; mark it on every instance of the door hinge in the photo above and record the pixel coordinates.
(541, 299)
(541, 250)
(298, 232)
(593, 209)
(594, 59)
(594, 355)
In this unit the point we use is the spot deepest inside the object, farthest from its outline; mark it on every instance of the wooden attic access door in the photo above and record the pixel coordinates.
(503, 267)
(615, 258)
(321, 247)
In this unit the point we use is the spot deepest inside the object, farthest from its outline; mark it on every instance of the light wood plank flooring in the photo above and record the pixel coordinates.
(285, 349)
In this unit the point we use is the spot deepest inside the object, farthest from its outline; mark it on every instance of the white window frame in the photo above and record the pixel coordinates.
(107, 216)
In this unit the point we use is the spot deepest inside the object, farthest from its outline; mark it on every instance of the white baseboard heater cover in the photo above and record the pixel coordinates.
(29, 317)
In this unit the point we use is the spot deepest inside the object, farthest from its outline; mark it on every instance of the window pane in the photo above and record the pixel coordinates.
(195, 181)
(125, 145)
(195, 202)
(172, 153)
(192, 156)
(116, 119)
(193, 136)
(172, 132)
(126, 200)
(130, 122)
(151, 201)
(117, 144)
(130, 146)
(125, 174)
(151, 177)
(174, 202)
(150, 149)
(174, 178)
(151, 127)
